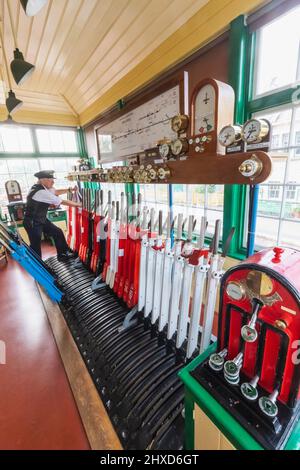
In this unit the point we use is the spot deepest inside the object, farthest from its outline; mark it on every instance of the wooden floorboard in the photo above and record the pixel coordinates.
(96, 422)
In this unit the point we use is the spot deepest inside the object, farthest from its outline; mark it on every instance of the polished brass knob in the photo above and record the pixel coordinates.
(163, 173)
(251, 167)
(152, 174)
(281, 324)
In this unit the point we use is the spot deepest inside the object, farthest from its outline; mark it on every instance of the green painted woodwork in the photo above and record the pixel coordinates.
(232, 430)
(235, 195)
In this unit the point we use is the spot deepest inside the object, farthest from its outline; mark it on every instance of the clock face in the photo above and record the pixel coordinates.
(204, 117)
(176, 147)
(164, 150)
(229, 135)
(251, 131)
(255, 130)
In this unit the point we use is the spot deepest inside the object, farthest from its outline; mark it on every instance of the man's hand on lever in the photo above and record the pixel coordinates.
(66, 202)
(58, 192)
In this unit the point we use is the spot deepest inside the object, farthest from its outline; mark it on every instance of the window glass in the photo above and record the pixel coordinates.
(266, 232)
(43, 139)
(279, 195)
(197, 200)
(23, 170)
(31, 165)
(69, 140)
(277, 53)
(16, 139)
(46, 163)
(15, 165)
(60, 164)
(56, 141)
(290, 232)
(3, 167)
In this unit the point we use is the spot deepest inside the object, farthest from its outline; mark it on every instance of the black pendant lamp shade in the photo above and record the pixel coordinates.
(20, 69)
(12, 103)
(32, 7)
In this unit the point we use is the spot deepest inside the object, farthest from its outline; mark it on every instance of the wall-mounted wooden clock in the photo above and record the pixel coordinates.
(212, 107)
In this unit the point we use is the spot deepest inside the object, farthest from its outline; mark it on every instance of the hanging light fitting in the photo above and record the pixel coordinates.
(20, 69)
(12, 102)
(32, 7)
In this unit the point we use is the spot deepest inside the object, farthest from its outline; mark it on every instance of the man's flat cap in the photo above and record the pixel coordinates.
(45, 174)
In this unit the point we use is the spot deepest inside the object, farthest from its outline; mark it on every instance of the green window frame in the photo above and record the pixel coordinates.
(282, 97)
(235, 195)
(80, 142)
(242, 54)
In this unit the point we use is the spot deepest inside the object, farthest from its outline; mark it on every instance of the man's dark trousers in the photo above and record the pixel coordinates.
(35, 230)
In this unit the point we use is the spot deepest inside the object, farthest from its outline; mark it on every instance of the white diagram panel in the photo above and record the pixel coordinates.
(140, 128)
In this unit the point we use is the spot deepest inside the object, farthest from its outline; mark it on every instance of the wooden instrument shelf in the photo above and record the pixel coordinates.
(218, 169)
(200, 169)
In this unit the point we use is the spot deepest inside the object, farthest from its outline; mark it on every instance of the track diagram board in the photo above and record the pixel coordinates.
(140, 128)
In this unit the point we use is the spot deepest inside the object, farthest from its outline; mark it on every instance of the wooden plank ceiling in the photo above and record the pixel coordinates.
(81, 48)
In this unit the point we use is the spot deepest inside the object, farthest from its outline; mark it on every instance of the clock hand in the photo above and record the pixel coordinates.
(250, 132)
(226, 137)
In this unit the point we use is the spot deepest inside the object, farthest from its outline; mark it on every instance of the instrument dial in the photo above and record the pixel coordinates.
(230, 135)
(179, 123)
(164, 150)
(205, 110)
(255, 130)
(179, 146)
(235, 290)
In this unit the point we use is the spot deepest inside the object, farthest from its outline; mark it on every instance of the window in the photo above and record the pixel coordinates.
(20, 139)
(197, 200)
(278, 53)
(285, 140)
(278, 219)
(275, 140)
(22, 170)
(291, 192)
(105, 143)
(274, 191)
(156, 196)
(276, 83)
(297, 143)
(56, 141)
(15, 139)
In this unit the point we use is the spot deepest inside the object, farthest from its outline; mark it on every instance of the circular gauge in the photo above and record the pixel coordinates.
(230, 135)
(179, 146)
(255, 130)
(235, 290)
(164, 150)
(259, 283)
(179, 123)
